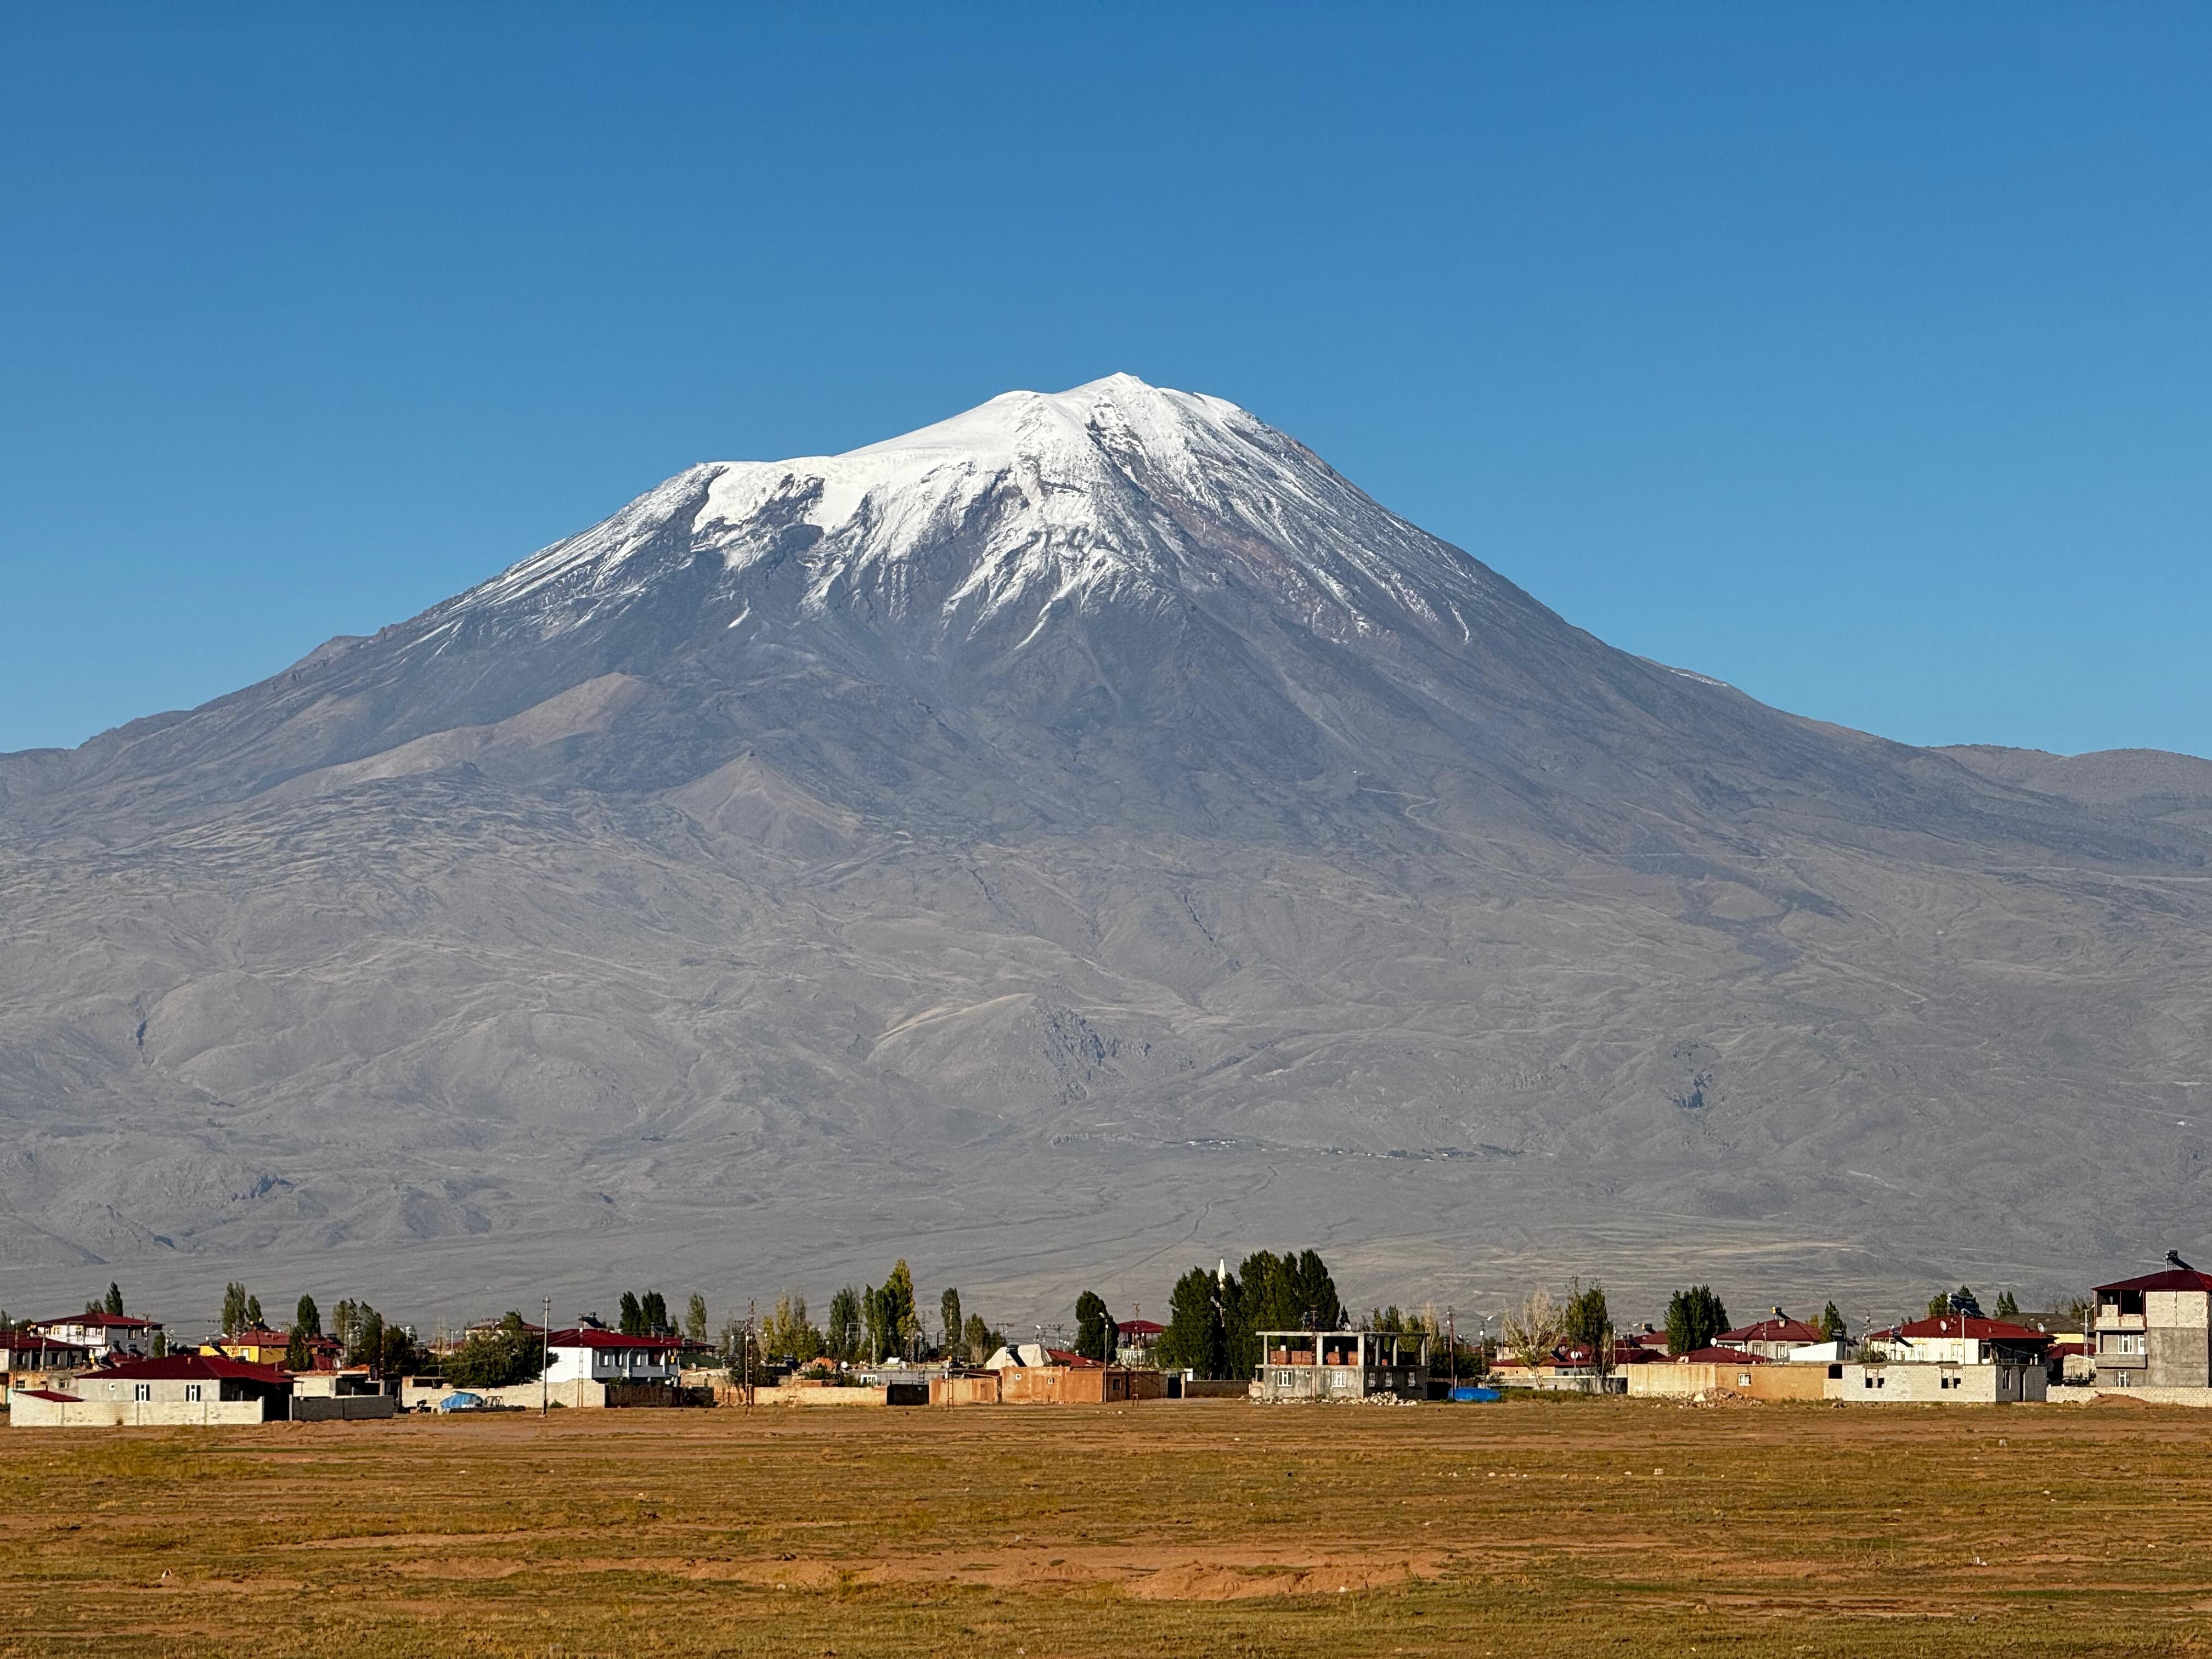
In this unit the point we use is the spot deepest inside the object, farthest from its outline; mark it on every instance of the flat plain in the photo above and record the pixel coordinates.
(1217, 1527)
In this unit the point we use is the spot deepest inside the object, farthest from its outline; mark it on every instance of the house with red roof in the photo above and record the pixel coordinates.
(102, 1333)
(2155, 1331)
(587, 1354)
(30, 1360)
(1953, 1358)
(1774, 1338)
(177, 1390)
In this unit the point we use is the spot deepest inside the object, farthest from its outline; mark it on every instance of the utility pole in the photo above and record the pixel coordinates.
(544, 1362)
(1452, 1343)
(751, 1312)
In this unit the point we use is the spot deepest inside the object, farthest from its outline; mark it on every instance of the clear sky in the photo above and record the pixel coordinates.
(1858, 356)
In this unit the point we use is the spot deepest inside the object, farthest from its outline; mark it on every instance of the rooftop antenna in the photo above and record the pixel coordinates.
(2174, 1260)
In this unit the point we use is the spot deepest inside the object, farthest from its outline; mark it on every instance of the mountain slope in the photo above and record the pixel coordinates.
(1089, 816)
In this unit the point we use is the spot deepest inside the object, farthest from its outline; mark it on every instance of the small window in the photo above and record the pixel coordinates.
(191, 1391)
(142, 1390)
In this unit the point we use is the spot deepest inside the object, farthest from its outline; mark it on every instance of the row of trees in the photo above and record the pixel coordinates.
(1214, 1319)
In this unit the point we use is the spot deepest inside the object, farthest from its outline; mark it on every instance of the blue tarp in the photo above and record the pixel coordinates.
(462, 1402)
(1466, 1395)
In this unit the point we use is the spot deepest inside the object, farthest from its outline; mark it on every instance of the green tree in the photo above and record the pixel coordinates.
(397, 1354)
(161, 1344)
(1096, 1332)
(631, 1322)
(345, 1321)
(2008, 1307)
(975, 1337)
(1196, 1339)
(297, 1356)
(904, 1313)
(1313, 1290)
(1694, 1318)
(234, 1308)
(253, 1319)
(1830, 1324)
(508, 1353)
(786, 1334)
(846, 1316)
(367, 1347)
(307, 1317)
(1585, 1318)
(695, 1318)
(653, 1315)
(893, 1325)
(114, 1304)
(948, 1319)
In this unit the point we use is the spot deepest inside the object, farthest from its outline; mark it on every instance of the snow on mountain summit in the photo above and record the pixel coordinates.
(1113, 491)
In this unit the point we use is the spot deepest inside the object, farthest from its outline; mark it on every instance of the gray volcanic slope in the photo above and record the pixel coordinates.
(1076, 840)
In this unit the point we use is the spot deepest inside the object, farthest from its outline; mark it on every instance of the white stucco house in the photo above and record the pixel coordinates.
(585, 1355)
(102, 1334)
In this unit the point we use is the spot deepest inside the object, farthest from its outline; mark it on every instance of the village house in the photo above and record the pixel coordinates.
(30, 1360)
(1341, 1365)
(1953, 1358)
(1135, 1339)
(177, 1390)
(258, 1346)
(2153, 1331)
(103, 1333)
(1776, 1338)
(588, 1355)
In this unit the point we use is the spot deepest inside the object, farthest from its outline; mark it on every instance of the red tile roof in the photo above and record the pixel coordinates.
(1777, 1329)
(189, 1367)
(1722, 1357)
(1067, 1357)
(48, 1393)
(2167, 1279)
(603, 1341)
(1141, 1328)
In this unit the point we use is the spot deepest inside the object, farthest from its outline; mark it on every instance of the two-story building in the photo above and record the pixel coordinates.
(1775, 1338)
(587, 1355)
(1341, 1365)
(30, 1360)
(2154, 1332)
(106, 1335)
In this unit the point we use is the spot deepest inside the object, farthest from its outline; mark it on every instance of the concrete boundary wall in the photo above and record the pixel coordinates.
(28, 1411)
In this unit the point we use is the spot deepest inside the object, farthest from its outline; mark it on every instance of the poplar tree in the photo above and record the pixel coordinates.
(1094, 1330)
(1694, 1318)
(1196, 1338)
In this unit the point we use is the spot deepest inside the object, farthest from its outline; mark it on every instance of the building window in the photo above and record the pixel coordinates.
(142, 1390)
(191, 1391)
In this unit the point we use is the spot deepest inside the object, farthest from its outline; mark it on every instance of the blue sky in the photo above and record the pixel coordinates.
(1859, 356)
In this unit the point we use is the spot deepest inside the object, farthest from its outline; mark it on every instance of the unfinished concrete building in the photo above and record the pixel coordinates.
(1341, 1365)
(2155, 1331)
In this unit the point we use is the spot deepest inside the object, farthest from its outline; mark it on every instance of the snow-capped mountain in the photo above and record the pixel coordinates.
(1089, 807)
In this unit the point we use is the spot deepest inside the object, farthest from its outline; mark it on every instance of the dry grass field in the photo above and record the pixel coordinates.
(1203, 1528)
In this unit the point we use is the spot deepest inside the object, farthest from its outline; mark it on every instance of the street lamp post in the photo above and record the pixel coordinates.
(544, 1361)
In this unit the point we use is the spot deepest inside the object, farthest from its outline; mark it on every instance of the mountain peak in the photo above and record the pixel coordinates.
(1028, 502)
